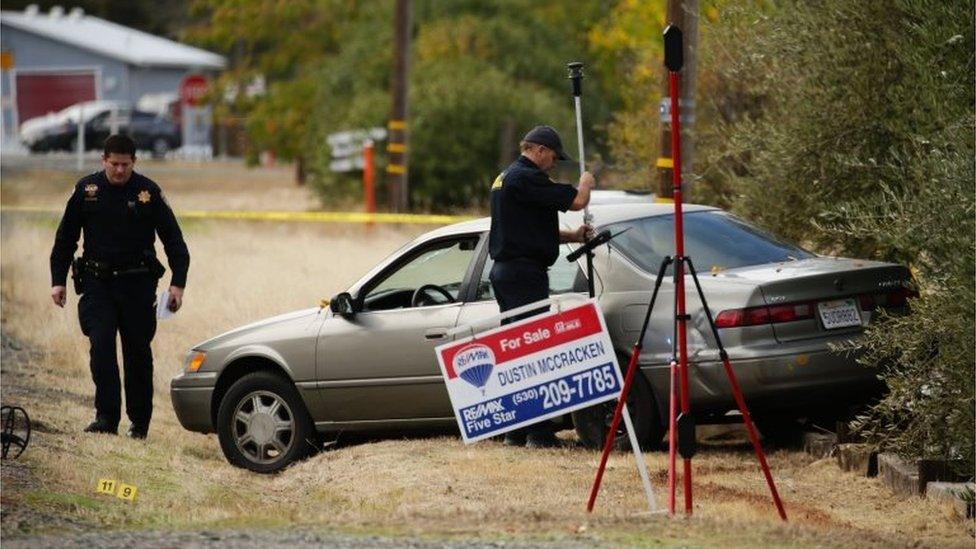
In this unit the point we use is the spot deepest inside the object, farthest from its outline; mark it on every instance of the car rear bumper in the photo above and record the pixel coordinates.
(792, 383)
(191, 401)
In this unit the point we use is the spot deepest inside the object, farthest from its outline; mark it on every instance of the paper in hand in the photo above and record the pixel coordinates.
(162, 306)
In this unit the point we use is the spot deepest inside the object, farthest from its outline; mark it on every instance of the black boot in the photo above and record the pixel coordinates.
(103, 425)
(542, 439)
(514, 438)
(138, 430)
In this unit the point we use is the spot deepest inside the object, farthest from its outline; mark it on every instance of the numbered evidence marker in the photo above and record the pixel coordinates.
(127, 492)
(106, 486)
(114, 488)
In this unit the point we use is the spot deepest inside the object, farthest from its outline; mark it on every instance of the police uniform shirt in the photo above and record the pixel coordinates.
(524, 214)
(120, 223)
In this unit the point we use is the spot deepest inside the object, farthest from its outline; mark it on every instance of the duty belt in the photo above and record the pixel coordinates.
(105, 269)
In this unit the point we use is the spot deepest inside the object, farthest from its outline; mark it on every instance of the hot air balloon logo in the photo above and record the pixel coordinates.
(474, 364)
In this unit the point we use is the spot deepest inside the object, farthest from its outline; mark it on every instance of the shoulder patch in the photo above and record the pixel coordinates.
(498, 181)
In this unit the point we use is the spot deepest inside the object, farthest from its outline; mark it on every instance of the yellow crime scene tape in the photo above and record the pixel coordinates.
(314, 217)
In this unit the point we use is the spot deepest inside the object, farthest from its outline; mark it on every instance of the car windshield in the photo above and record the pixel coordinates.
(714, 240)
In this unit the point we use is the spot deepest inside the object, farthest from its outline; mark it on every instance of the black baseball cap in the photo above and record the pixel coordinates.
(548, 137)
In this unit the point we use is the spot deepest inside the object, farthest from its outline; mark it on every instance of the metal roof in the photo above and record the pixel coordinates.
(92, 33)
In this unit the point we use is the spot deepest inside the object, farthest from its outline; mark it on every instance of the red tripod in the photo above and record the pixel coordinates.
(681, 428)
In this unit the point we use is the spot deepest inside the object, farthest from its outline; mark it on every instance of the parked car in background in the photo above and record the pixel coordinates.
(152, 132)
(367, 361)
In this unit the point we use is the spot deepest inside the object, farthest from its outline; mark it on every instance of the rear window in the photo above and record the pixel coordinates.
(714, 240)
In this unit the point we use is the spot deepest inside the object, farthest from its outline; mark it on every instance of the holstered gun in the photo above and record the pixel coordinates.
(155, 266)
(76, 276)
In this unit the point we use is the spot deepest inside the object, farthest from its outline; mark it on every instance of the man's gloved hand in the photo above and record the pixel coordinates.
(59, 294)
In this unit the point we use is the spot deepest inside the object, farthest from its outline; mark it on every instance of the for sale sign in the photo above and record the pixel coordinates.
(530, 371)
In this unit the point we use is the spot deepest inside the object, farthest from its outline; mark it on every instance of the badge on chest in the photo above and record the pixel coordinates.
(91, 192)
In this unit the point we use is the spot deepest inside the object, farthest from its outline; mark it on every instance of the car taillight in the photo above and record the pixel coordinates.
(754, 316)
(729, 318)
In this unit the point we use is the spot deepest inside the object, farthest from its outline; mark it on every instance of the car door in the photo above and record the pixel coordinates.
(379, 364)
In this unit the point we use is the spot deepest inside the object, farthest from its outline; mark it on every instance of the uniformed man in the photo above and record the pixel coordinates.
(120, 212)
(525, 236)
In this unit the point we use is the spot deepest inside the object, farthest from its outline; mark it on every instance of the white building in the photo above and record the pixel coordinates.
(56, 59)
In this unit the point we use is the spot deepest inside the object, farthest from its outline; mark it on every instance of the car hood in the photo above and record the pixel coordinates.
(256, 327)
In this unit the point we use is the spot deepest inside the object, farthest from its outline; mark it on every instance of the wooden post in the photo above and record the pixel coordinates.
(396, 168)
(369, 193)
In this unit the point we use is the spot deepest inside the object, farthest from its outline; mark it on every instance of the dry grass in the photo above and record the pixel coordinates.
(196, 186)
(423, 486)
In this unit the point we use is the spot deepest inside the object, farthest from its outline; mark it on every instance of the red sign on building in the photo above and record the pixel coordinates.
(193, 88)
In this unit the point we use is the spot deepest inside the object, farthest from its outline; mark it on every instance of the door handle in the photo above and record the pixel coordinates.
(435, 333)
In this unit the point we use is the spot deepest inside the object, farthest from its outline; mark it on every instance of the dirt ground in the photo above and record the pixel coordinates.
(423, 489)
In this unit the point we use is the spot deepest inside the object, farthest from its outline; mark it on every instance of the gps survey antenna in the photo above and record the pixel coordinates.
(576, 76)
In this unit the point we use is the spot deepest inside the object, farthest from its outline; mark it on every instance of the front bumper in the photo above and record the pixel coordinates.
(192, 395)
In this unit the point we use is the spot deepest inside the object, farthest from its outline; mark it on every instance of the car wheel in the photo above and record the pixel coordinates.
(160, 147)
(263, 424)
(593, 423)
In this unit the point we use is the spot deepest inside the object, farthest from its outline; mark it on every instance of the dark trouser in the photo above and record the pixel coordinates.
(518, 283)
(123, 305)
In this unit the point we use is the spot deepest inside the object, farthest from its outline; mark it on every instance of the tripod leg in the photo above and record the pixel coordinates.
(737, 394)
(672, 437)
(625, 391)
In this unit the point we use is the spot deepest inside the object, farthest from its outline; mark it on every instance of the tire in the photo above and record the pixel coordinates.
(160, 146)
(592, 423)
(782, 431)
(255, 437)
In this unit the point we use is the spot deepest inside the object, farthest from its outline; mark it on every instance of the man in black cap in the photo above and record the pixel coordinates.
(525, 237)
(120, 212)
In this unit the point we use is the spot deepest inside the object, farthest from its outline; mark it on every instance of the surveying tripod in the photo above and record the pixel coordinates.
(681, 427)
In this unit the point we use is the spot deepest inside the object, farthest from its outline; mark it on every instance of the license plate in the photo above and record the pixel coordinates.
(841, 313)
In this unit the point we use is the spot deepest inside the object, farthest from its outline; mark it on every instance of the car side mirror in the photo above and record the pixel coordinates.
(343, 304)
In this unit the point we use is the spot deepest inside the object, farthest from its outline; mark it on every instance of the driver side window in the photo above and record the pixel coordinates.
(437, 270)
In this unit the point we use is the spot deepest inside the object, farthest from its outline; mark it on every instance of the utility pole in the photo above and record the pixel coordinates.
(684, 15)
(396, 168)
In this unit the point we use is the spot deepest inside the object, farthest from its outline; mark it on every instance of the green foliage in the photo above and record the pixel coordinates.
(284, 43)
(845, 91)
(928, 357)
(482, 74)
(853, 134)
(629, 46)
(460, 126)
